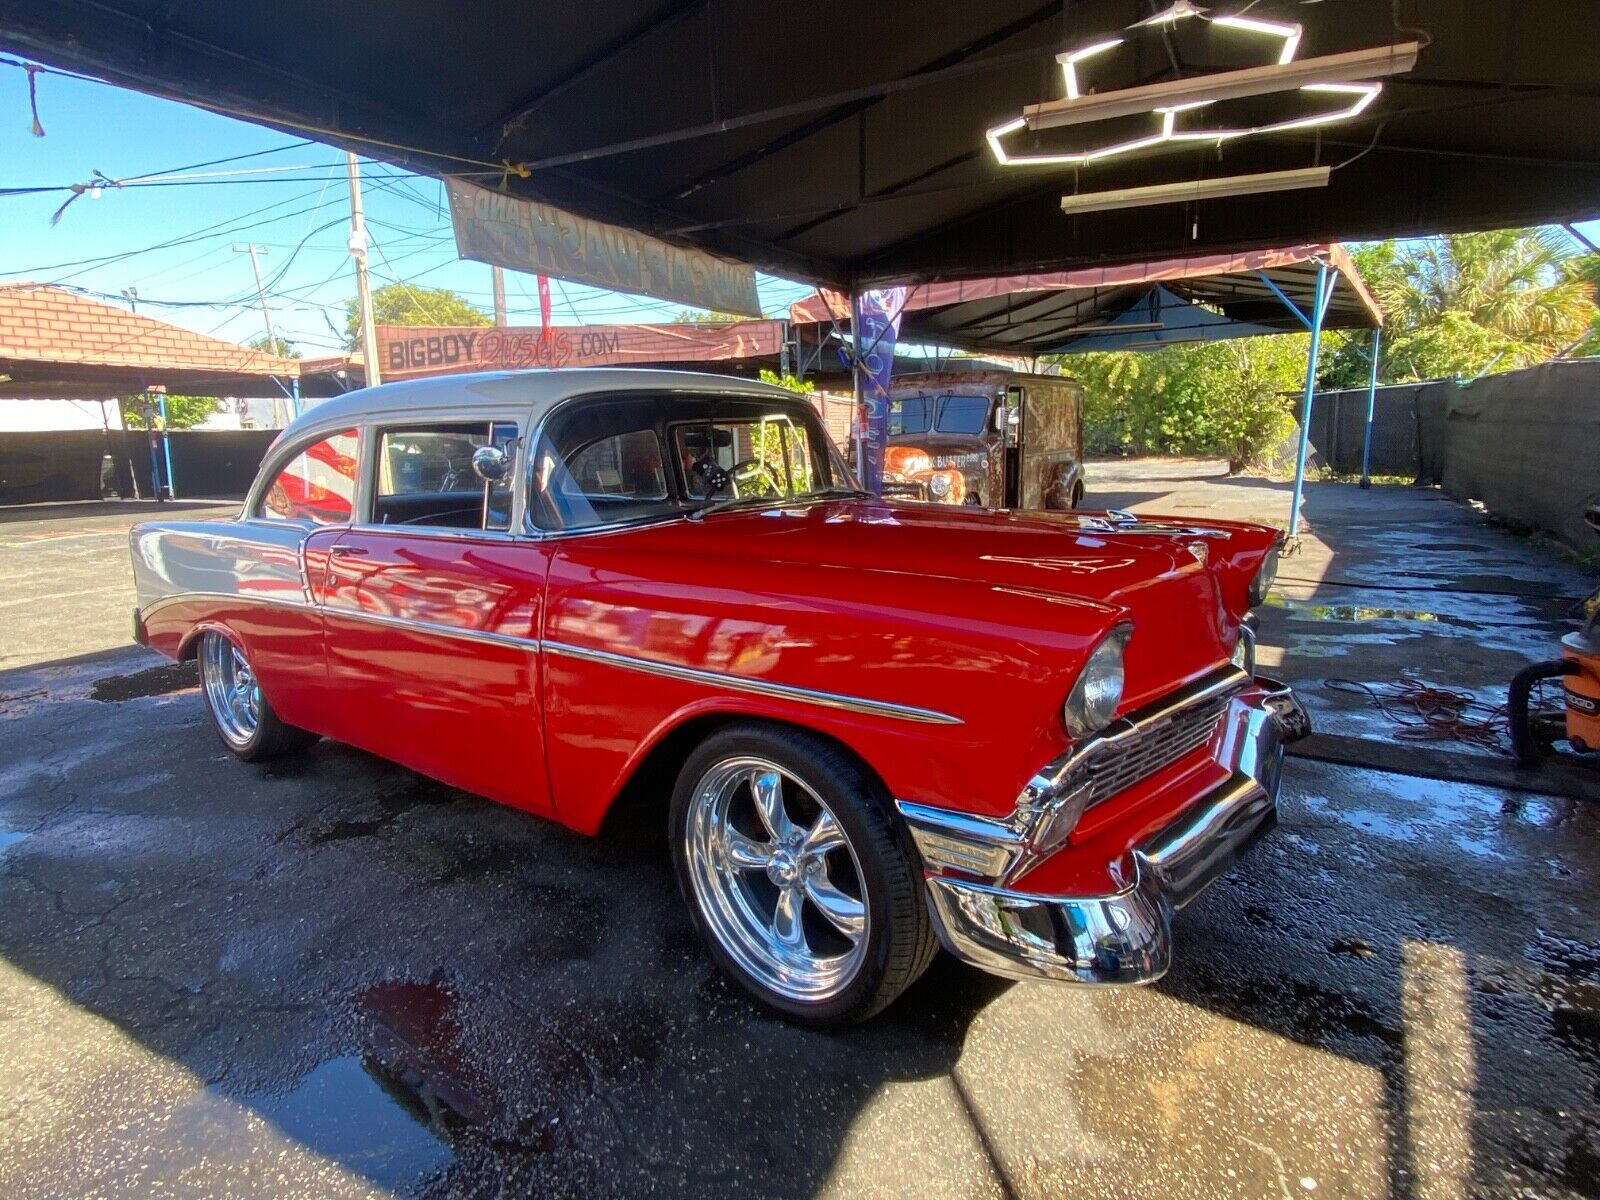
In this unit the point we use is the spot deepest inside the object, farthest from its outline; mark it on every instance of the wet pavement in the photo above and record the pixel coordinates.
(335, 978)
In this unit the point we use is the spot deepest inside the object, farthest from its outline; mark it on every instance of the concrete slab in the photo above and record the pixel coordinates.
(335, 978)
(68, 584)
(1386, 584)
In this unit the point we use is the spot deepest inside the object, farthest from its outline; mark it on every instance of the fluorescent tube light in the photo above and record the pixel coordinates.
(1225, 85)
(1197, 189)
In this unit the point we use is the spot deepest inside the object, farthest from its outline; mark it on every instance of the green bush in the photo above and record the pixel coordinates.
(1231, 399)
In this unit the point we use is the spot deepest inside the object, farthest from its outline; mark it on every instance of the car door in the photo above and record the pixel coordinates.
(433, 606)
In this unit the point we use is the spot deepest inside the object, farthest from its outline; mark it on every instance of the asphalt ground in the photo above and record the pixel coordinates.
(336, 978)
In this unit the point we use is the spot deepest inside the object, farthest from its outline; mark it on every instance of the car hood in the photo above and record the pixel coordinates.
(1051, 552)
(1090, 573)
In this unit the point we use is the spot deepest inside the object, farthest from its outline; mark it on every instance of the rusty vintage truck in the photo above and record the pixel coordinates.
(995, 439)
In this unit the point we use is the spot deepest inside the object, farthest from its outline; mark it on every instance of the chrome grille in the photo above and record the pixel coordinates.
(1122, 762)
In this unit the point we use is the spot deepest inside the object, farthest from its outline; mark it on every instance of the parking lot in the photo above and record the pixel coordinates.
(336, 978)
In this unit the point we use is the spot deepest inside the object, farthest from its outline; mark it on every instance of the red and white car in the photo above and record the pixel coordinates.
(868, 727)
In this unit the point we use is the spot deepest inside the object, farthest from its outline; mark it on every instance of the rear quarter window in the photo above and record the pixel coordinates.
(317, 485)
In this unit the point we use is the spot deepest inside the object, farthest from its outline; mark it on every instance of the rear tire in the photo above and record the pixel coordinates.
(798, 876)
(238, 709)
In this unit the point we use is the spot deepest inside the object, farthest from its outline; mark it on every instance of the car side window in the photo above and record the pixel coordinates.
(599, 464)
(425, 476)
(317, 485)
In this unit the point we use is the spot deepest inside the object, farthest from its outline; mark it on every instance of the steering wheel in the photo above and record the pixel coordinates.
(753, 470)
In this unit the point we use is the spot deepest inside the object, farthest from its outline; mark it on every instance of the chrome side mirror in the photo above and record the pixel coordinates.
(490, 464)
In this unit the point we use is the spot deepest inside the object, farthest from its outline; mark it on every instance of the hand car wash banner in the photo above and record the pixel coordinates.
(524, 235)
(876, 325)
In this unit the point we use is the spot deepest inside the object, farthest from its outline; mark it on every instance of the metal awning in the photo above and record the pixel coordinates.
(1130, 306)
(845, 144)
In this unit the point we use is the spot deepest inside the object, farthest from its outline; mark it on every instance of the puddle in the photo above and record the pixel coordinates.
(1306, 610)
(346, 1111)
(416, 1037)
(153, 681)
(1473, 819)
(9, 838)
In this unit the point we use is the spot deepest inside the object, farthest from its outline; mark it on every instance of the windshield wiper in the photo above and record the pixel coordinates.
(730, 502)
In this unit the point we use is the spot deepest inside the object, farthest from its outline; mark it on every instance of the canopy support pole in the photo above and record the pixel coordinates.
(1372, 396)
(166, 449)
(1324, 292)
(857, 389)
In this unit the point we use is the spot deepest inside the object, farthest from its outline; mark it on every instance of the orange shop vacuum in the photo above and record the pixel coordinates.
(1535, 732)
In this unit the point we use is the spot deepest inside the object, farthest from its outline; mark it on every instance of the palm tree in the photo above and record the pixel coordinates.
(1512, 282)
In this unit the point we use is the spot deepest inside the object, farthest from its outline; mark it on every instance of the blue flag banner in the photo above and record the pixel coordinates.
(876, 325)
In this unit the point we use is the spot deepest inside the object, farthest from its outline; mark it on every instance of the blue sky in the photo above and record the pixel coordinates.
(203, 283)
(299, 214)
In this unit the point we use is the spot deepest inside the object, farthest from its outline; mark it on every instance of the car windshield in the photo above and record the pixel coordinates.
(941, 414)
(630, 459)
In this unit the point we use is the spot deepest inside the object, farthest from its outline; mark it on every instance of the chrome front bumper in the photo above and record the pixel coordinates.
(1125, 936)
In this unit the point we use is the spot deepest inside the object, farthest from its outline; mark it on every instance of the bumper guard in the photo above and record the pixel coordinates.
(1125, 936)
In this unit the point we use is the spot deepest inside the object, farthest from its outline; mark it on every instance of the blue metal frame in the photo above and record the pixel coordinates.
(1325, 283)
(1372, 396)
(166, 449)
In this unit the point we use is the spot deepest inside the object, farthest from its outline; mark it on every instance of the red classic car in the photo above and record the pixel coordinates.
(869, 728)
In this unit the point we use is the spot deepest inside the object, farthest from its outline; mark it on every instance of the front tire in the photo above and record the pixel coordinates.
(239, 712)
(803, 885)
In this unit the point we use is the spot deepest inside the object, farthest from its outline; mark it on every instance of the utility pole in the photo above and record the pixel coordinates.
(499, 277)
(261, 292)
(358, 251)
(266, 313)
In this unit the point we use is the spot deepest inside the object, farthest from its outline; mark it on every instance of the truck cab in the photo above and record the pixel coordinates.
(995, 439)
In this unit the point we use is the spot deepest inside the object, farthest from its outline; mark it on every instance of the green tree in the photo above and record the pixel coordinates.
(1228, 398)
(787, 381)
(1468, 303)
(183, 412)
(278, 346)
(699, 316)
(402, 304)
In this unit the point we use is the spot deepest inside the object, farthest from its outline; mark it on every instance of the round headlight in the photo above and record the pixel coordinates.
(939, 486)
(1094, 697)
(1266, 576)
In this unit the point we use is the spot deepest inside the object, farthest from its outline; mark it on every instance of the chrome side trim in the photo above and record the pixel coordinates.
(433, 627)
(1125, 935)
(716, 679)
(758, 687)
(157, 605)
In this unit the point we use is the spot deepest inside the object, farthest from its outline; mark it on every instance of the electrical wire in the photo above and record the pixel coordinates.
(1424, 713)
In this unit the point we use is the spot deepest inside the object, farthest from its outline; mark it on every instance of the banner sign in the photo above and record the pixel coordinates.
(524, 235)
(875, 326)
(409, 352)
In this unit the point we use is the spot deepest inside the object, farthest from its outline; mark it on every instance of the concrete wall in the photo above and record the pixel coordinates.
(66, 464)
(1525, 444)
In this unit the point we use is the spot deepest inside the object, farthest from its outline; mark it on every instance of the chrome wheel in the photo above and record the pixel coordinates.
(231, 689)
(776, 879)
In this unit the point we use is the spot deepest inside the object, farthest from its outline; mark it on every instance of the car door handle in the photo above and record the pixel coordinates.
(348, 551)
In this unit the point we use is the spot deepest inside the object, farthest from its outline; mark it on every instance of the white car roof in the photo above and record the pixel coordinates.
(538, 391)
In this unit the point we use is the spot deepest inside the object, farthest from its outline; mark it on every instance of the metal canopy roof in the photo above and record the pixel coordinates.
(843, 142)
(1132, 306)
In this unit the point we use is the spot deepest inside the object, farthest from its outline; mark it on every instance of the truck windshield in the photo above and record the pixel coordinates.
(941, 414)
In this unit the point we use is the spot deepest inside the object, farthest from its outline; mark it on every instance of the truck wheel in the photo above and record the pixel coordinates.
(240, 713)
(802, 883)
